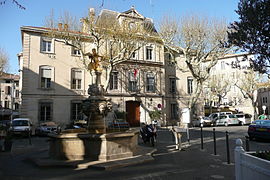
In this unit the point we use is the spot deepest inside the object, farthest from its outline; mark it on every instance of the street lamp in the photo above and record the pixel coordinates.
(264, 108)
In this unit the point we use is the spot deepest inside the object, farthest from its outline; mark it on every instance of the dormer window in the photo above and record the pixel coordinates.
(149, 53)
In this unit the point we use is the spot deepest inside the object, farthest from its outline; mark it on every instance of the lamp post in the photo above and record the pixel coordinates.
(264, 108)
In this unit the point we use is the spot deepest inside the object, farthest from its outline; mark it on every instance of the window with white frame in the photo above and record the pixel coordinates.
(46, 45)
(150, 82)
(114, 80)
(76, 79)
(149, 53)
(174, 111)
(132, 81)
(76, 111)
(189, 85)
(45, 111)
(172, 85)
(75, 51)
(46, 76)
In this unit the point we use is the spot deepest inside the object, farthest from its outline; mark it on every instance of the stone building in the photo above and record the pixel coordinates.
(226, 78)
(9, 95)
(54, 80)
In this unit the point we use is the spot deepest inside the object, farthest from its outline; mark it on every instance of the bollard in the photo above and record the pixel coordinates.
(215, 145)
(247, 143)
(201, 138)
(228, 148)
(29, 137)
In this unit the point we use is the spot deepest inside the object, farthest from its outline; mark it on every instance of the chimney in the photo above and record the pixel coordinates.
(60, 26)
(65, 27)
(92, 12)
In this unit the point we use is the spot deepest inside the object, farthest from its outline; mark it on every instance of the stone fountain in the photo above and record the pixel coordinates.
(96, 143)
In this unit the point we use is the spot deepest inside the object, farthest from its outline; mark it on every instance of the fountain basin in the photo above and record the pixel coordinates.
(102, 147)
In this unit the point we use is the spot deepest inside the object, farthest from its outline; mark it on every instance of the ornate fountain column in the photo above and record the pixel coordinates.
(96, 106)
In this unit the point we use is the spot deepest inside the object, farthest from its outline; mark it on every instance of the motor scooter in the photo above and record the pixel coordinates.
(148, 134)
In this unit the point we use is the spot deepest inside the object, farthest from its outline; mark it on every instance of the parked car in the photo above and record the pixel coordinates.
(259, 129)
(203, 121)
(215, 116)
(21, 126)
(244, 118)
(226, 119)
(47, 127)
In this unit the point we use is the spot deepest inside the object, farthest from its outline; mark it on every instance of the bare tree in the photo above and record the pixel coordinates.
(248, 85)
(217, 88)
(14, 2)
(3, 61)
(114, 42)
(202, 41)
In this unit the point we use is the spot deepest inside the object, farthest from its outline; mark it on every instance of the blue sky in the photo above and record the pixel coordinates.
(12, 18)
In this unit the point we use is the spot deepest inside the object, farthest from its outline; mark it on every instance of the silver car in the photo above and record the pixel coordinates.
(244, 118)
(202, 121)
(227, 119)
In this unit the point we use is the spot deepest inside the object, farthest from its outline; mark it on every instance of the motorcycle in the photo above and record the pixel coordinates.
(148, 134)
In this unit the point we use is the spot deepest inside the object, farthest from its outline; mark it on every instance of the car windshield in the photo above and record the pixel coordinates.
(240, 115)
(232, 116)
(20, 123)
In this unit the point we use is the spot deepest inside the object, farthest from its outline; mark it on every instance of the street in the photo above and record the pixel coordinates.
(190, 163)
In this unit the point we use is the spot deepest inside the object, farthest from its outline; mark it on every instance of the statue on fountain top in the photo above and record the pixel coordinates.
(95, 60)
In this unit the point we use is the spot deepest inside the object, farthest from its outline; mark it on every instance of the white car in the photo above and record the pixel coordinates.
(227, 119)
(203, 121)
(22, 126)
(244, 118)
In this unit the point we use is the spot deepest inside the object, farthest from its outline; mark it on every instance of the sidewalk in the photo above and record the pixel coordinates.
(166, 163)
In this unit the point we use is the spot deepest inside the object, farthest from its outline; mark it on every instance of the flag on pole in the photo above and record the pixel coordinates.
(135, 72)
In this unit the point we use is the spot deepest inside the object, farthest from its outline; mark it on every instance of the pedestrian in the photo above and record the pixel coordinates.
(262, 117)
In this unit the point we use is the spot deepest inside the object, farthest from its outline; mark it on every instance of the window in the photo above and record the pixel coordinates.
(190, 85)
(17, 93)
(46, 45)
(133, 55)
(114, 80)
(45, 111)
(150, 82)
(132, 82)
(76, 111)
(17, 106)
(76, 80)
(75, 51)
(149, 51)
(6, 104)
(172, 85)
(8, 90)
(222, 65)
(46, 76)
(174, 111)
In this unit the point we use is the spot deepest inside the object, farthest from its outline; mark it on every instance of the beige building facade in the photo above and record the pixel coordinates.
(227, 76)
(55, 82)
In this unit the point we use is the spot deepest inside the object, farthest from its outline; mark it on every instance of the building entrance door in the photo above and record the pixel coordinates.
(133, 113)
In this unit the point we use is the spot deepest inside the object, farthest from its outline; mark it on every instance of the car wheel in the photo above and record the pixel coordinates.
(241, 123)
(226, 124)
